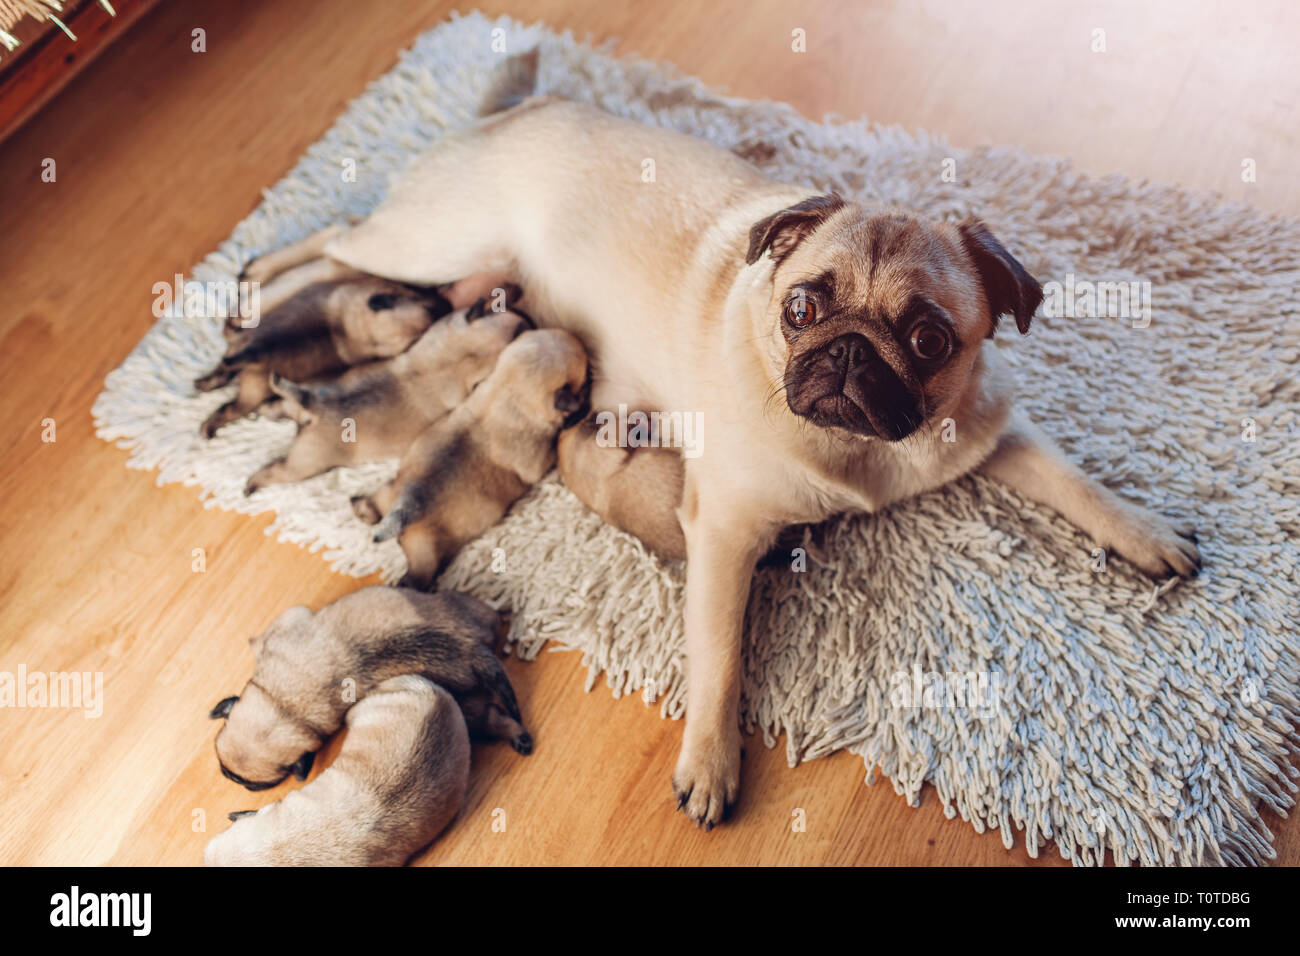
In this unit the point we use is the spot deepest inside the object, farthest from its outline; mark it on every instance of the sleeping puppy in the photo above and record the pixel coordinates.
(399, 779)
(312, 667)
(321, 329)
(461, 475)
(378, 409)
(637, 490)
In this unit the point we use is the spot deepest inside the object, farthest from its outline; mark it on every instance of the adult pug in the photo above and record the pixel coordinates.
(824, 341)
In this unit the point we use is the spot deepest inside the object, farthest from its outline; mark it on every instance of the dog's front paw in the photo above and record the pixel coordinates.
(1156, 545)
(706, 781)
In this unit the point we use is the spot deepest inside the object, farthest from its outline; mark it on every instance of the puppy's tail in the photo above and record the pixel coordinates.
(511, 83)
(404, 511)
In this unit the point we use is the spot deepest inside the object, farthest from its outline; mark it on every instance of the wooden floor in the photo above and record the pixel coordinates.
(160, 151)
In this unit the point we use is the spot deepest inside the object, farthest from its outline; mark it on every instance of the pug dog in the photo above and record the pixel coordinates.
(398, 780)
(824, 342)
(378, 409)
(311, 667)
(461, 475)
(320, 329)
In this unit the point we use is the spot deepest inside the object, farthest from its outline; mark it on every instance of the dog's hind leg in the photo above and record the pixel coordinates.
(498, 725)
(420, 544)
(310, 454)
(289, 283)
(253, 391)
(267, 267)
(215, 379)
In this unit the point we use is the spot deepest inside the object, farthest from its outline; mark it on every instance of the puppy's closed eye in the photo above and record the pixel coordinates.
(381, 301)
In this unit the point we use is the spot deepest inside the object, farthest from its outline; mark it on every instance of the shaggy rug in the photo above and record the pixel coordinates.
(966, 639)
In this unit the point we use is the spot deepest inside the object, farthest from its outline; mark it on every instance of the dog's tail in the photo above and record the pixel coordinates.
(405, 510)
(511, 83)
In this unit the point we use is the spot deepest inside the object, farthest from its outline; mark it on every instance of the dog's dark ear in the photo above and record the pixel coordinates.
(572, 404)
(782, 231)
(223, 708)
(302, 766)
(381, 301)
(1010, 290)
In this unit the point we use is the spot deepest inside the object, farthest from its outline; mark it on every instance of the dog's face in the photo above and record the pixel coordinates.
(259, 746)
(877, 321)
(543, 373)
(379, 319)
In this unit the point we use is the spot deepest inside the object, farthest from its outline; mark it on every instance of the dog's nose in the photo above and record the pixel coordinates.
(849, 350)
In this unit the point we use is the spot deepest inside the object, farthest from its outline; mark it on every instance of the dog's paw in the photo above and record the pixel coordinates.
(365, 509)
(706, 781)
(523, 742)
(1156, 545)
(259, 270)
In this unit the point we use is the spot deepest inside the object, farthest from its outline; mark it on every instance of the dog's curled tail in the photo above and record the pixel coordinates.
(511, 83)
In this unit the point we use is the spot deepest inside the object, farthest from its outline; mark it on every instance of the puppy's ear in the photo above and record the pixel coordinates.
(572, 404)
(782, 231)
(381, 301)
(302, 766)
(223, 708)
(1010, 290)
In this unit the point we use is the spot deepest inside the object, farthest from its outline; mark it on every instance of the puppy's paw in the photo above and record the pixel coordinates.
(259, 270)
(365, 509)
(1156, 545)
(522, 742)
(706, 781)
(213, 380)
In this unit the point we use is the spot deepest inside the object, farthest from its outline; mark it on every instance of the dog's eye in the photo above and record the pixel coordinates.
(800, 311)
(381, 301)
(929, 340)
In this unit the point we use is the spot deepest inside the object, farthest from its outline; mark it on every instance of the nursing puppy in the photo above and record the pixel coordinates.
(387, 404)
(637, 490)
(312, 667)
(398, 780)
(824, 341)
(461, 475)
(318, 330)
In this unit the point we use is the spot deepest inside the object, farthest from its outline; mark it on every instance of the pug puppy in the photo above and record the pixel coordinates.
(311, 667)
(319, 330)
(824, 341)
(385, 405)
(399, 779)
(637, 490)
(461, 475)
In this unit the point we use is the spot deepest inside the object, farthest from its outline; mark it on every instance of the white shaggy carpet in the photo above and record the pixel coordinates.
(1151, 721)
